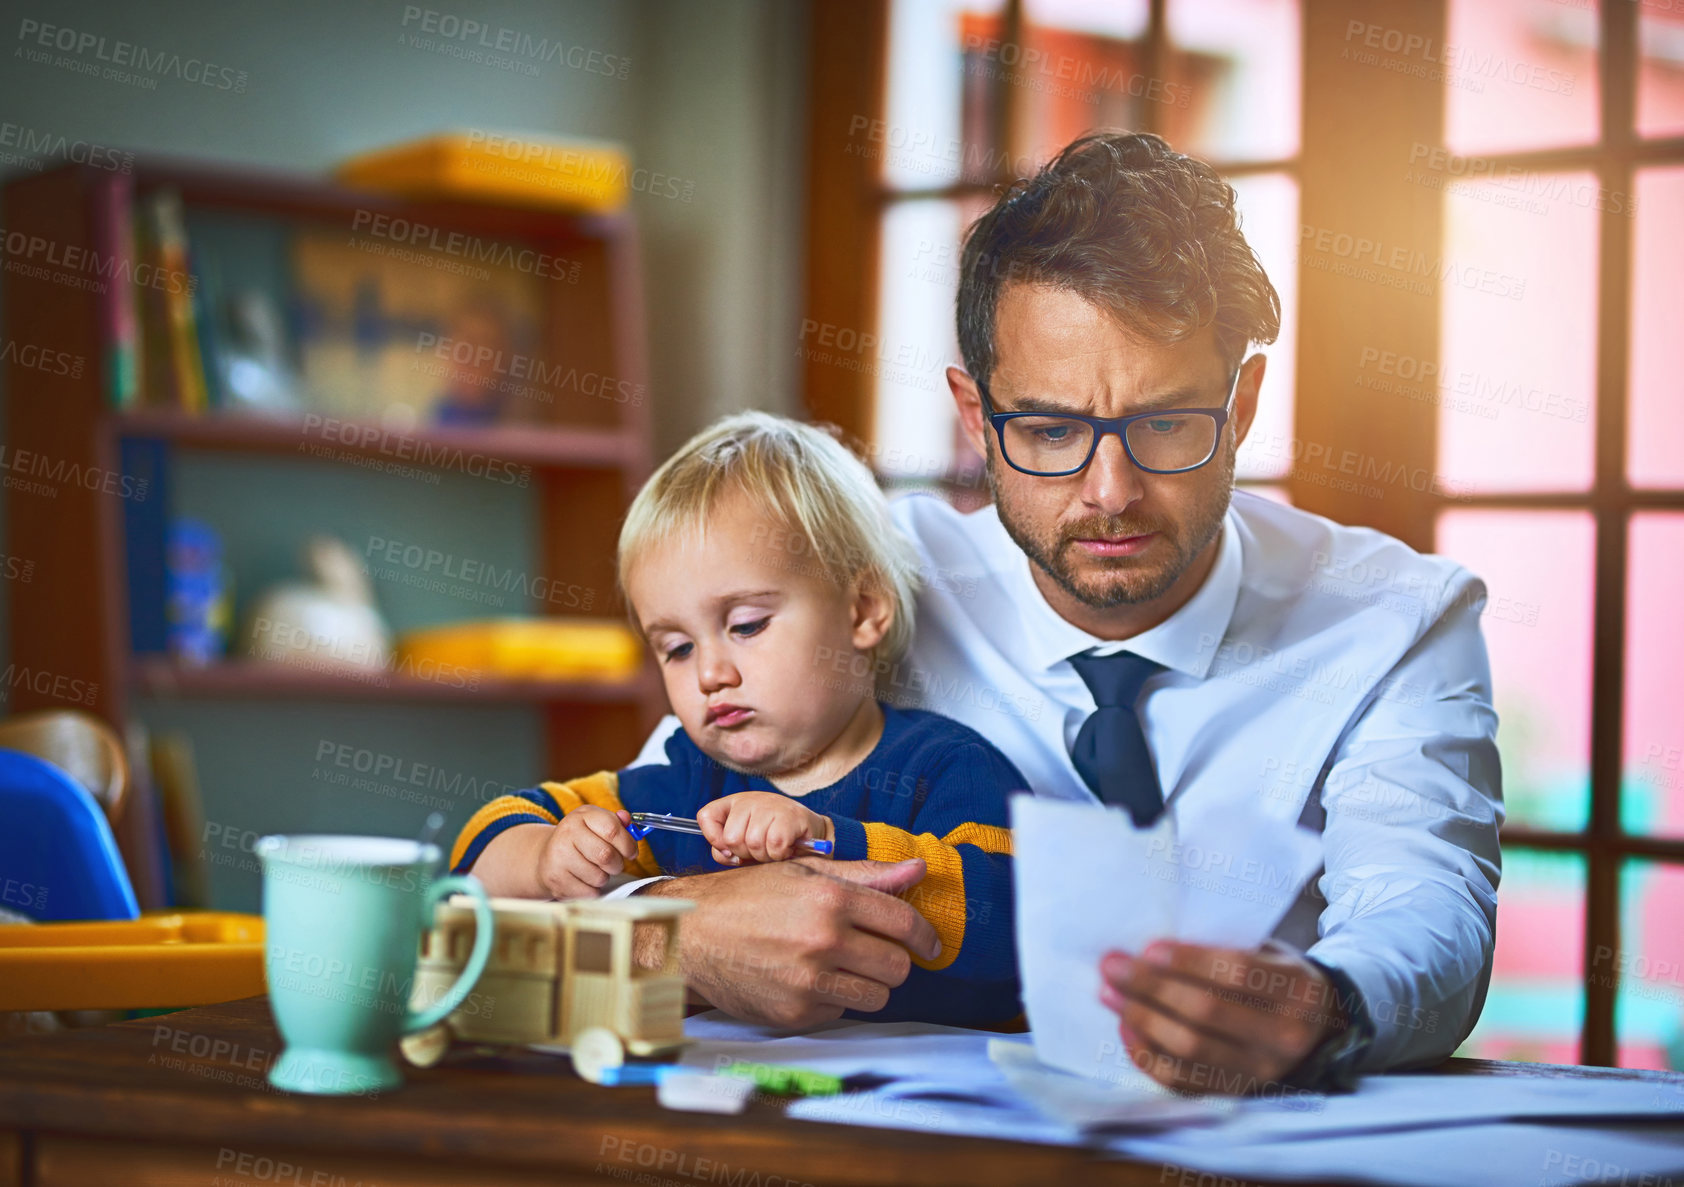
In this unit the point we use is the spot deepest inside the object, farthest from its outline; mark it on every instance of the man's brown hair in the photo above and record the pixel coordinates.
(1126, 222)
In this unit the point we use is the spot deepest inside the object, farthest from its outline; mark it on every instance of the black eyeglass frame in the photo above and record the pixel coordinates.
(1104, 426)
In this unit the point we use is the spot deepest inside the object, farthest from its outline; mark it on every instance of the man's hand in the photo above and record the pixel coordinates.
(759, 826)
(795, 943)
(587, 848)
(1219, 1019)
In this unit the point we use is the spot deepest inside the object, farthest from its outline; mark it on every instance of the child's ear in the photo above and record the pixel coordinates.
(874, 612)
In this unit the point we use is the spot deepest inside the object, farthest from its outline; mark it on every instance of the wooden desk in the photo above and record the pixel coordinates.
(182, 1100)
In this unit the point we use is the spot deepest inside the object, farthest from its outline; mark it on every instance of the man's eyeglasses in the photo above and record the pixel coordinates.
(1171, 441)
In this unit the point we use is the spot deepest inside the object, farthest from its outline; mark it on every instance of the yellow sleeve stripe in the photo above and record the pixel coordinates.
(601, 790)
(940, 897)
(990, 838)
(489, 814)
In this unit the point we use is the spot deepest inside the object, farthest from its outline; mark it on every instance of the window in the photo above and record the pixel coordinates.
(978, 93)
(1563, 440)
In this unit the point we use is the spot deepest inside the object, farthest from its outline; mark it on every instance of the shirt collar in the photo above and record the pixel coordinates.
(1183, 641)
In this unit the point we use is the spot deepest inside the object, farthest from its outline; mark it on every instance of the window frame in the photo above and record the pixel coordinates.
(1614, 158)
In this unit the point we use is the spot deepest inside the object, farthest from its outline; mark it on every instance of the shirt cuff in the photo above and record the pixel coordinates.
(850, 842)
(1332, 1066)
(627, 889)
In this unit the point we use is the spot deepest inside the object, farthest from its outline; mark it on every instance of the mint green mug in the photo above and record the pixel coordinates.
(344, 917)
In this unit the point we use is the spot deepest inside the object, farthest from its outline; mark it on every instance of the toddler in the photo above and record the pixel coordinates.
(754, 560)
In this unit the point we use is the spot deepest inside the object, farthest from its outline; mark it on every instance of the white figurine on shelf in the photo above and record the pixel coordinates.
(255, 374)
(329, 622)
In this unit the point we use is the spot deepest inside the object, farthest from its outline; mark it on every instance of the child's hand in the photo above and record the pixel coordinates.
(759, 826)
(588, 847)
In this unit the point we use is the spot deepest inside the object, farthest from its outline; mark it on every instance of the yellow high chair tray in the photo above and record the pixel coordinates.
(171, 958)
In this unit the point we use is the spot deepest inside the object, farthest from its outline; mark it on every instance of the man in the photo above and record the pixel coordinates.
(1129, 630)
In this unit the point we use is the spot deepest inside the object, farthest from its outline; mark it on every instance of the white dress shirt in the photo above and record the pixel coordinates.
(1330, 675)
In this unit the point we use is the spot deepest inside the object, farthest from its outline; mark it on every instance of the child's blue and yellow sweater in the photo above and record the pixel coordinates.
(930, 788)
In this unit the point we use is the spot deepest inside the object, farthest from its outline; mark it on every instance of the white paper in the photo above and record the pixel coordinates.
(1088, 882)
(922, 1112)
(1090, 1104)
(941, 1078)
(1404, 1129)
(904, 1051)
(1405, 1100)
(1492, 1154)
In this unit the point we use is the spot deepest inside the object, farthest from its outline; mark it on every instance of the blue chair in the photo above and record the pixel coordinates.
(58, 859)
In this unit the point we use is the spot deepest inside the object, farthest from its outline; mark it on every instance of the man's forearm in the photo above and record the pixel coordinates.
(649, 943)
(649, 940)
(1422, 1003)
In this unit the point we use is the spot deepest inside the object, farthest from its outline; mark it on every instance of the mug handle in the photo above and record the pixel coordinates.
(483, 925)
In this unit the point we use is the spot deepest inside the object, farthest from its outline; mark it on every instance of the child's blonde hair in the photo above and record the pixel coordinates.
(804, 480)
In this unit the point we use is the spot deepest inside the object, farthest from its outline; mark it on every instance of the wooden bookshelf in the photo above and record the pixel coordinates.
(72, 619)
(243, 680)
(559, 447)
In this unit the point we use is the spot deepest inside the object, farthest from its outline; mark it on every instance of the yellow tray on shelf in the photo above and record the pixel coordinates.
(590, 177)
(577, 648)
(173, 958)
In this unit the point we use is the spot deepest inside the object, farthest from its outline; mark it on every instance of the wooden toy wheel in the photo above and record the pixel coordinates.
(424, 1048)
(596, 1048)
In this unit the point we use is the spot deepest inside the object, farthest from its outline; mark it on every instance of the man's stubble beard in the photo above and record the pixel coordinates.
(1122, 583)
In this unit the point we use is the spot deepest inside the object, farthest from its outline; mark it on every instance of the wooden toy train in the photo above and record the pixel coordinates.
(559, 972)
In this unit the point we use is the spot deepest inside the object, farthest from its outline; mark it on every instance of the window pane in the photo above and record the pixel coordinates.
(1518, 74)
(1539, 572)
(1652, 792)
(1657, 411)
(1537, 1000)
(1517, 310)
(914, 340)
(1235, 66)
(1269, 217)
(937, 78)
(1080, 67)
(1123, 20)
(1649, 1008)
(1660, 69)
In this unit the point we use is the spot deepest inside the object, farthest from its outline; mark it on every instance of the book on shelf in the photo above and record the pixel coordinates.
(157, 379)
(113, 213)
(171, 366)
(178, 284)
(145, 543)
(205, 332)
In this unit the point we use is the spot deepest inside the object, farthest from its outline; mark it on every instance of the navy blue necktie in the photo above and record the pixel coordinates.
(1110, 751)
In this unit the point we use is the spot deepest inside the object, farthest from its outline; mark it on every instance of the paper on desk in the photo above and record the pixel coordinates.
(920, 1052)
(1426, 1099)
(1090, 1104)
(1411, 1129)
(1491, 1153)
(945, 1076)
(1088, 882)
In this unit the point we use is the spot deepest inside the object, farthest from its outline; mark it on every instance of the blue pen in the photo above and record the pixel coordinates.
(645, 822)
(636, 1075)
